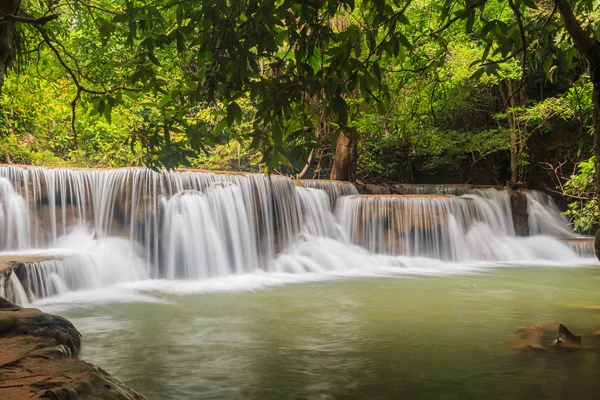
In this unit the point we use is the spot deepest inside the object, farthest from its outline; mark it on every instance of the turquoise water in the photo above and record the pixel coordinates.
(374, 338)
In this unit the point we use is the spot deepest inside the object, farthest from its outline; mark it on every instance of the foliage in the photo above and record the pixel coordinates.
(291, 60)
(581, 187)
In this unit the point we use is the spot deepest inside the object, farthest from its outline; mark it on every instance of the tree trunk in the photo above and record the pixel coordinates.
(596, 103)
(514, 155)
(513, 96)
(340, 170)
(7, 37)
(590, 49)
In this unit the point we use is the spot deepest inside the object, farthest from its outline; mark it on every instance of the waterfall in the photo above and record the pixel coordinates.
(334, 189)
(316, 209)
(433, 226)
(545, 218)
(68, 230)
(129, 203)
(14, 219)
(79, 262)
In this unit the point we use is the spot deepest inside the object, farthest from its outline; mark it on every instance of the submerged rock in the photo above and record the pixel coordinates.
(541, 336)
(36, 360)
(566, 338)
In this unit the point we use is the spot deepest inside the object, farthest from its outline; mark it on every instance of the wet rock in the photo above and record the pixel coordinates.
(367, 188)
(36, 360)
(566, 338)
(518, 203)
(542, 336)
(531, 337)
(597, 245)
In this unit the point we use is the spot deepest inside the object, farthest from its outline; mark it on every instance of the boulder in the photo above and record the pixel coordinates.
(36, 360)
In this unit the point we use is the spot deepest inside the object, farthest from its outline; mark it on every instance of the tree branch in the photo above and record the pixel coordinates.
(33, 21)
(513, 55)
(524, 50)
(80, 88)
(587, 46)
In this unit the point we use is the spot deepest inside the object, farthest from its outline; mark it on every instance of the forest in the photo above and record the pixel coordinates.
(490, 92)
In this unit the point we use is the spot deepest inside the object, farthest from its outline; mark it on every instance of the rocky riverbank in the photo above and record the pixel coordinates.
(37, 360)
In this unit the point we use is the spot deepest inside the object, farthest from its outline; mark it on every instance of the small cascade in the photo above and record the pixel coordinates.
(418, 225)
(193, 245)
(316, 209)
(14, 221)
(463, 228)
(85, 263)
(545, 218)
(583, 247)
(12, 290)
(334, 189)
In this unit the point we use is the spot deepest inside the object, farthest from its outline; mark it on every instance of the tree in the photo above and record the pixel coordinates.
(180, 57)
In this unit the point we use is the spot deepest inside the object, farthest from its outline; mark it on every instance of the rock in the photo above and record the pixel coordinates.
(566, 338)
(531, 337)
(36, 360)
(597, 245)
(518, 204)
(539, 336)
(367, 188)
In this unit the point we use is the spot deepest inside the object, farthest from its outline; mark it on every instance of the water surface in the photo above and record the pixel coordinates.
(444, 337)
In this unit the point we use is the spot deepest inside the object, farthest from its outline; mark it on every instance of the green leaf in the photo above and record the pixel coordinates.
(548, 63)
(477, 74)
(121, 18)
(153, 58)
(234, 113)
(403, 40)
(165, 99)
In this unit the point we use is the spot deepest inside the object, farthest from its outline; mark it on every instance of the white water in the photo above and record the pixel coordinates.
(120, 231)
(545, 217)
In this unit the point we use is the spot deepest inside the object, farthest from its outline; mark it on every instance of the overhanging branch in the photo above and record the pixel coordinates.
(33, 21)
(587, 46)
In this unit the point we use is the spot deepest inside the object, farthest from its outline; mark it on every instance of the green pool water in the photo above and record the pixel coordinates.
(373, 338)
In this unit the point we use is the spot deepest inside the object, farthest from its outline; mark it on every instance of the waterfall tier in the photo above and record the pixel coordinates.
(98, 228)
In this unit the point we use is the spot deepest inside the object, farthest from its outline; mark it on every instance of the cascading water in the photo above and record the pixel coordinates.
(334, 189)
(79, 261)
(14, 221)
(105, 227)
(545, 217)
(435, 226)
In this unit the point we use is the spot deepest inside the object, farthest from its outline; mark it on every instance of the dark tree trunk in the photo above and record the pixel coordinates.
(340, 170)
(7, 37)
(590, 49)
(596, 102)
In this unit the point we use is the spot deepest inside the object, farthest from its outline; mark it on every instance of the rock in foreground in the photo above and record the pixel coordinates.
(36, 360)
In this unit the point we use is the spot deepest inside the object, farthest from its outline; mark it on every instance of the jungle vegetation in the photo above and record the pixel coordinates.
(452, 91)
